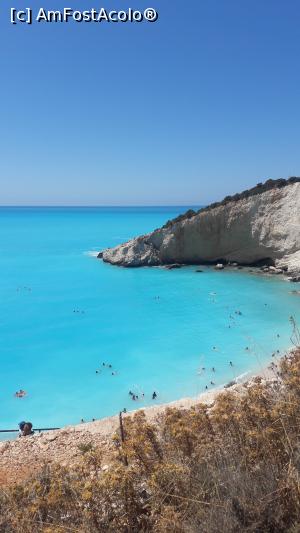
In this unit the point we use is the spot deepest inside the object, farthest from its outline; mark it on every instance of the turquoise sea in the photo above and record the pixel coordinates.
(63, 313)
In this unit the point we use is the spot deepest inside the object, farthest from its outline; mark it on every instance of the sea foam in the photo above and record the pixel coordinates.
(91, 253)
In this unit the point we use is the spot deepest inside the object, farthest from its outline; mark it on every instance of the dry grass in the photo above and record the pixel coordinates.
(234, 467)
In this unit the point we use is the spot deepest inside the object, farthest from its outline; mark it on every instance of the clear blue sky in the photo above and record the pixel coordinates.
(201, 104)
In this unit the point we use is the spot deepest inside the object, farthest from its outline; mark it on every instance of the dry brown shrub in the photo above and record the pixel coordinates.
(233, 467)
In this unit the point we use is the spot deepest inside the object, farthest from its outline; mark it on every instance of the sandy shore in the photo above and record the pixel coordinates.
(23, 457)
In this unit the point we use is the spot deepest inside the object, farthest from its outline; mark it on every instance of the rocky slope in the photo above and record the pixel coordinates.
(23, 457)
(257, 226)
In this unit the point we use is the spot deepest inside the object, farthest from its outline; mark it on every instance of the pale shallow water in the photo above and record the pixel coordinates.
(48, 270)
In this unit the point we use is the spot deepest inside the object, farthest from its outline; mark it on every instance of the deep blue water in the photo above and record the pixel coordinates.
(156, 328)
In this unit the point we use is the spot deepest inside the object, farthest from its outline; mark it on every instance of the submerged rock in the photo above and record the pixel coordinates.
(272, 270)
(258, 227)
(173, 266)
(219, 266)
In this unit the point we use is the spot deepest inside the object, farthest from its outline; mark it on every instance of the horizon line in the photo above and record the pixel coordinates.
(97, 205)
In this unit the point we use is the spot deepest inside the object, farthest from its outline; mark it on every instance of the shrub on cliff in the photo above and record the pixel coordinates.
(258, 189)
(233, 467)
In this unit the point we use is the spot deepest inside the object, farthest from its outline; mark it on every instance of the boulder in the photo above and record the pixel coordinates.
(219, 266)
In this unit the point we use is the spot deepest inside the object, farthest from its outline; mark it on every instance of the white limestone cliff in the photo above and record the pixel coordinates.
(248, 228)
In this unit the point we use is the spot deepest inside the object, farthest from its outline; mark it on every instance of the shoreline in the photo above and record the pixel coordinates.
(24, 457)
(151, 411)
(213, 235)
(194, 391)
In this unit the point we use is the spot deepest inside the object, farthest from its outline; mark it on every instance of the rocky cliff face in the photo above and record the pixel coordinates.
(257, 225)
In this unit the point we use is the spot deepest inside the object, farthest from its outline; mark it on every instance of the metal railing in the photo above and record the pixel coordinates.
(33, 429)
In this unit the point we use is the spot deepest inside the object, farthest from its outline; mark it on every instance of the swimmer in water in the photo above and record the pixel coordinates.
(154, 395)
(20, 394)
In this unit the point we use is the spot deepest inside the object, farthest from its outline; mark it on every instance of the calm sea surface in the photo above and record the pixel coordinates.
(63, 313)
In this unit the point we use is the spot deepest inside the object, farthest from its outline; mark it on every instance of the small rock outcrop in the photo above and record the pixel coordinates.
(219, 266)
(256, 227)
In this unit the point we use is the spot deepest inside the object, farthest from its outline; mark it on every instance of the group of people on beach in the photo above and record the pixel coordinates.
(25, 428)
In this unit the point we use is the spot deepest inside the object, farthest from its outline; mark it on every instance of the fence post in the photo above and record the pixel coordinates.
(122, 434)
